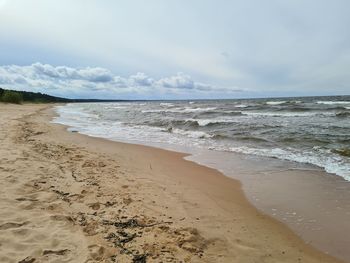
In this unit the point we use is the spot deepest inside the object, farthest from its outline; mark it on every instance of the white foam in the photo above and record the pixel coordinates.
(241, 106)
(287, 114)
(330, 162)
(180, 110)
(188, 109)
(205, 122)
(83, 118)
(333, 102)
(276, 102)
(166, 104)
(153, 111)
(192, 134)
(115, 107)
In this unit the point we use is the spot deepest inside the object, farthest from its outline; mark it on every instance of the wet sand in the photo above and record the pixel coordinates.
(313, 203)
(73, 198)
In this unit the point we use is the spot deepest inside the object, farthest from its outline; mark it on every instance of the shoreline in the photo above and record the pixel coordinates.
(209, 210)
(187, 157)
(310, 201)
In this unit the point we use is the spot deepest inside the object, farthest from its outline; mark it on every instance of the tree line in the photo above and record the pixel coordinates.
(17, 97)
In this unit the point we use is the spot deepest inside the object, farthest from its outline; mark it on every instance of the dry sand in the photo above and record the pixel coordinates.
(66, 197)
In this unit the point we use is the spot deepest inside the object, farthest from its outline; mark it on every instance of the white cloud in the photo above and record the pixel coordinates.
(290, 47)
(141, 79)
(98, 82)
(88, 74)
(179, 81)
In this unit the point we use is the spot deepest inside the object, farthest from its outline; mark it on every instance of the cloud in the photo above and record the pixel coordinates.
(179, 81)
(88, 74)
(95, 82)
(278, 48)
(141, 79)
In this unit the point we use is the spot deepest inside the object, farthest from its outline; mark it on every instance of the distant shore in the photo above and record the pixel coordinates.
(70, 197)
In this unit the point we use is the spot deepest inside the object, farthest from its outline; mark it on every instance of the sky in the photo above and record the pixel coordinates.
(175, 49)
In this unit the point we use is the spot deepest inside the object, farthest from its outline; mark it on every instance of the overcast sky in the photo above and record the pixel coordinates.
(167, 49)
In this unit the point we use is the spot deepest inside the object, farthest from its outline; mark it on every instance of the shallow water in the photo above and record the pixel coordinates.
(305, 130)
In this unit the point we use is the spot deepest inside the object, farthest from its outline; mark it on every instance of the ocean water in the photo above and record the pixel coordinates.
(312, 130)
(272, 146)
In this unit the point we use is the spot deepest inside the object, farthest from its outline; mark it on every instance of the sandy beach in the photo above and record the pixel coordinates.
(67, 197)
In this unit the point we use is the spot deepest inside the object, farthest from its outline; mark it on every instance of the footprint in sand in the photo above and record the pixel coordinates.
(27, 260)
(9, 225)
(97, 252)
(56, 252)
(244, 246)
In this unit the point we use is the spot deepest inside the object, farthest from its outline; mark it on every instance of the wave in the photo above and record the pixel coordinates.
(180, 110)
(343, 152)
(251, 139)
(298, 109)
(153, 111)
(241, 106)
(220, 127)
(199, 109)
(166, 104)
(343, 114)
(191, 134)
(287, 114)
(188, 123)
(313, 109)
(115, 107)
(280, 102)
(218, 113)
(207, 122)
(330, 163)
(221, 137)
(333, 102)
(283, 102)
(75, 113)
(276, 102)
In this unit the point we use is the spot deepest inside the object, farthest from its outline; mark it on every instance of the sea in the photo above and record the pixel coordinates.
(292, 155)
(312, 130)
